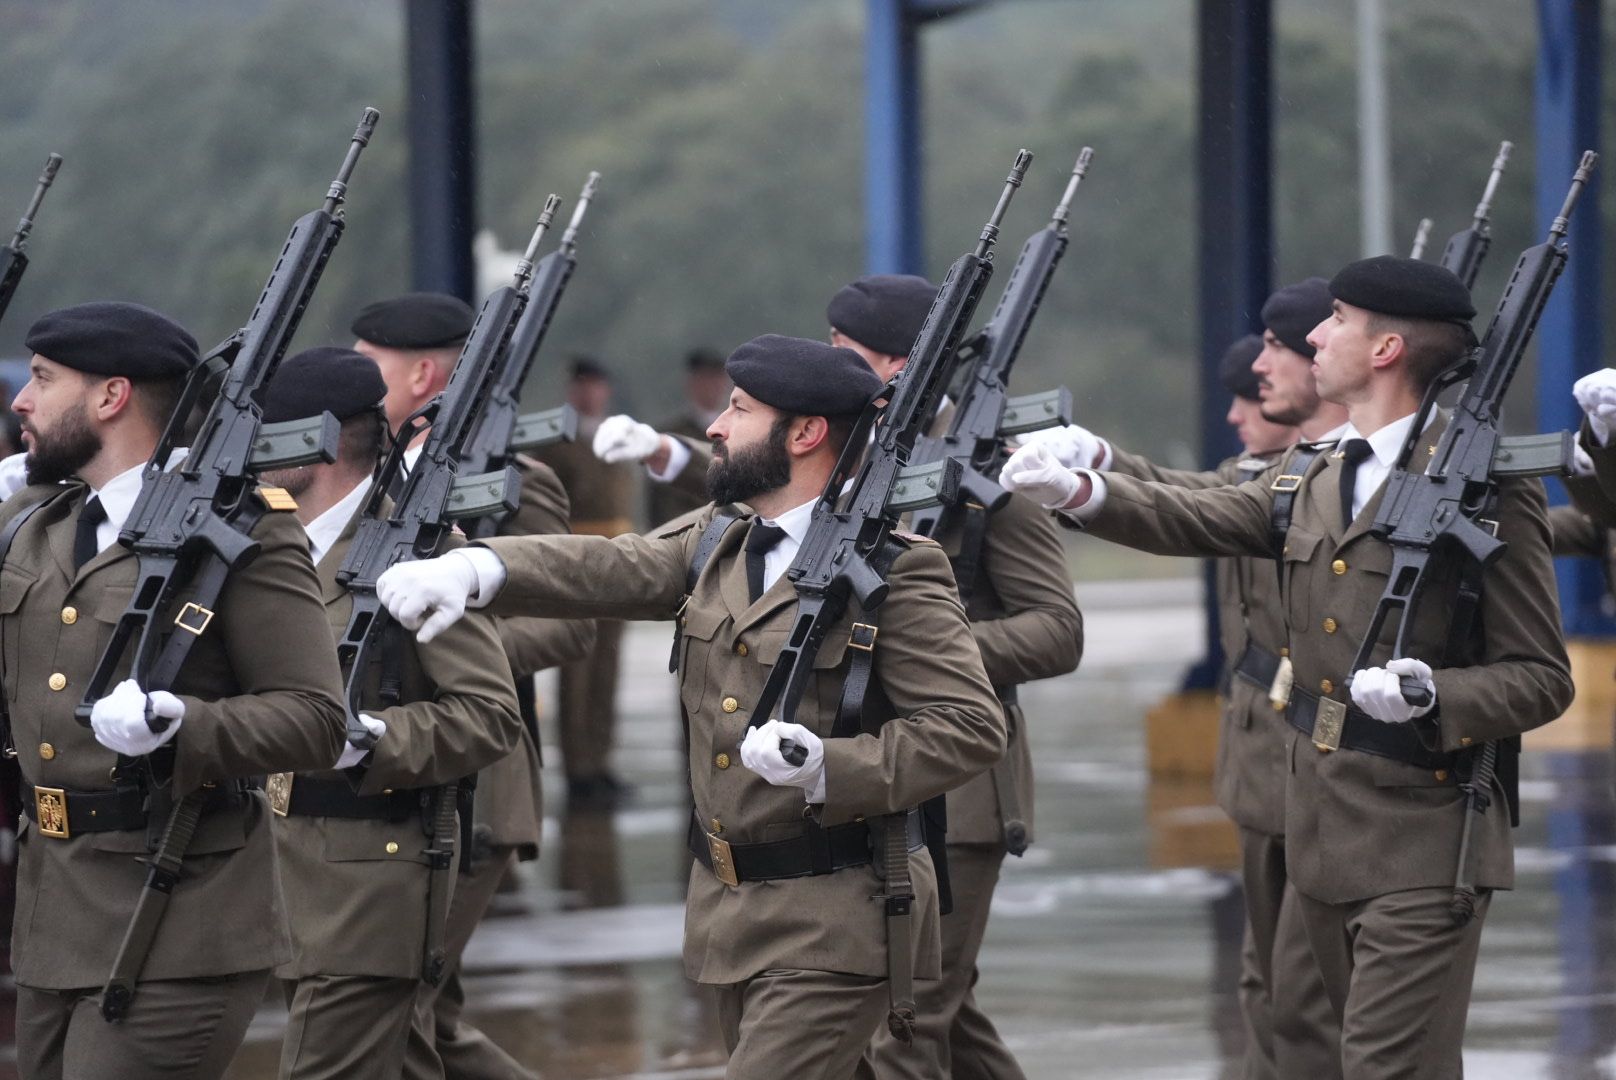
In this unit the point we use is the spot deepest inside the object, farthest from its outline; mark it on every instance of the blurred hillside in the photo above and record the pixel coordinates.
(729, 134)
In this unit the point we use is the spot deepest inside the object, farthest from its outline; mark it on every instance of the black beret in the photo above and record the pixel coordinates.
(110, 337)
(417, 320)
(1292, 312)
(704, 358)
(1235, 371)
(1408, 288)
(323, 379)
(802, 377)
(587, 367)
(883, 311)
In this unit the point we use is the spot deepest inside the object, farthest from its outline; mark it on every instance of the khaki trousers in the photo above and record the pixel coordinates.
(442, 1044)
(346, 1026)
(177, 1029)
(588, 705)
(953, 1037)
(1291, 1027)
(1399, 974)
(805, 1025)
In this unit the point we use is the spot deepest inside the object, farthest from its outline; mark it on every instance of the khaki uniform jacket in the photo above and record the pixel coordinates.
(510, 796)
(1249, 776)
(602, 495)
(948, 728)
(688, 490)
(1027, 626)
(1358, 825)
(262, 693)
(356, 890)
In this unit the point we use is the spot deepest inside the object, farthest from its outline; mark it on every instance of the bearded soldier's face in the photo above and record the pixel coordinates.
(58, 429)
(750, 454)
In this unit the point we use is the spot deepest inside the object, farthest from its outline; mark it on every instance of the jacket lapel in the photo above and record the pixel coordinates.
(776, 596)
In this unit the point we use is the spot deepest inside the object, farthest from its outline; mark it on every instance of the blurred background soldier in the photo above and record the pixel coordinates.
(706, 393)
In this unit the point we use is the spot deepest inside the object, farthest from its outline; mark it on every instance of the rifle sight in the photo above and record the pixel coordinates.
(524, 267)
(990, 231)
(26, 225)
(1080, 170)
(569, 238)
(1585, 168)
(361, 139)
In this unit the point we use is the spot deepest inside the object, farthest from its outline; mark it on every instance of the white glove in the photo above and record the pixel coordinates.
(119, 719)
(760, 752)
(428, 595)
(1074, 445)
(13, 474)
(1037, 474)
(1378, 692)
(353, 755)
(622, 438)
(1596, 393)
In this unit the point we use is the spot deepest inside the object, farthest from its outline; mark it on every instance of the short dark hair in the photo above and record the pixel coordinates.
(155, 398)
(362, 439)
(1430, 346)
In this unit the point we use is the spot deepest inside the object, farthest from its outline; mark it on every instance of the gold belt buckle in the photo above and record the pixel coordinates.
(723, 861)
(50, 808)
(279, 789)
(193, 618)
(1327, 723)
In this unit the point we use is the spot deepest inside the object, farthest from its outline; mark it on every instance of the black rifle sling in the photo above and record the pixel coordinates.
(1284, 505)
(705, 547)
(968, 563)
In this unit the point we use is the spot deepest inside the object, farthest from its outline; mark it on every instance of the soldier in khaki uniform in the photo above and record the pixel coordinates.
(796, 949)
(706, 394)
(416, 339)
(260, 692)
(1372, 828)
(602, 497)
(352, 839)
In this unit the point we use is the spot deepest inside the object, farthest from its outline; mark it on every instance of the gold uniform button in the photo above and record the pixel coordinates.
(717, 827)
(1329, 626)
(1286, 651)
(58, 681)
(1326, 685)
(741, 649)
(1464, 740)
(722, 761)
(1338, 567)
(70, 615)
(1442, 774)
(392, 847)
(729, 704)
(47, 751)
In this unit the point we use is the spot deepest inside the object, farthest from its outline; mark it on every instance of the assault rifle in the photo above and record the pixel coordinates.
(986, 415)
(1468, 247)
(14, 256)
(1421, 234)
(435, 493)
(500, 432)
(1441, 512)
(190, 527)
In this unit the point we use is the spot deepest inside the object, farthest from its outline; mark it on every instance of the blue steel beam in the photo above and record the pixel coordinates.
(1234, 171)
(1570, 334)
(442, 183)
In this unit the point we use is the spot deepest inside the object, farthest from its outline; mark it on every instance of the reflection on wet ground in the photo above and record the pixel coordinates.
(1101, 961)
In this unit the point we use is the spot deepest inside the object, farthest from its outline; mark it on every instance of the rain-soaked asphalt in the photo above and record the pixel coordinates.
(1101, 960)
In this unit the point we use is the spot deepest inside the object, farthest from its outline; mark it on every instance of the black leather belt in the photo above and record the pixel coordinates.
(63, 813)
(1362, 732)
(816, 851)
(1257, 665)
(319, 797)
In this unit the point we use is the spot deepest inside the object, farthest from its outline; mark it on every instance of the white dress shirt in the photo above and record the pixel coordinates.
(118, 499)
(1384, 446)
(779, 558)
(325, 530)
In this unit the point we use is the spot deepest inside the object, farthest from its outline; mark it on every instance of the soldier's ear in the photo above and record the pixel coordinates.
(808, 433)
(110, 397)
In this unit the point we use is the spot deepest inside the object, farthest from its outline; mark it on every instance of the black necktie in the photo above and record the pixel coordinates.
(1353, 453)
(90, 518)
(759, 542)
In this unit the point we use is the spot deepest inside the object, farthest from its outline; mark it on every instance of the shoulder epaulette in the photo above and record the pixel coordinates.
(912, 538)
(275, 498)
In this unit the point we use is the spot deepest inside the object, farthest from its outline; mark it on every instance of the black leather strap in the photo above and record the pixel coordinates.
(816, 852)
(705, 547)
(119, 810)
(1257, 665)
(321, 797)
(1364, 733)
(1285, 487)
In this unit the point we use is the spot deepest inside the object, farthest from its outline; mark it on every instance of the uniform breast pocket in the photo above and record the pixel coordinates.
(824, 694)
(698, 636)
(14, 586)
(1300, 547)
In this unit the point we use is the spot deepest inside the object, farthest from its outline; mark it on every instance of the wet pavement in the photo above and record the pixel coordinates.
(1101, 960)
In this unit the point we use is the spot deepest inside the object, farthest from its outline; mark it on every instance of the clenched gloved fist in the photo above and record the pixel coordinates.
(13, 474)
(428, 595)
(1379, 691)
(1074, 445)
(1596, 394)
(623, 438)
(353, 755)
(120, 724)
(760, 752)
(1035, 473)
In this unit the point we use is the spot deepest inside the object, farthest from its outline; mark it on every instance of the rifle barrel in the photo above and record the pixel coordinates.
(1585, 169)
(46, 178)
(1421, 234)
(990, 231)
(1079, 171)
(1485, 206)
(570, 237)
(524, 267)
(361, 139)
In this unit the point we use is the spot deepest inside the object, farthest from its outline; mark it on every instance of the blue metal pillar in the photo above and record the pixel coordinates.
(892, 189)
(441, 178)
(1234, 177)
(1570, 338)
